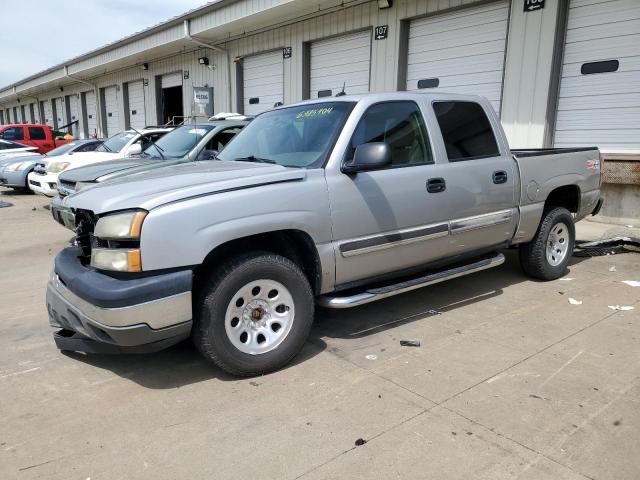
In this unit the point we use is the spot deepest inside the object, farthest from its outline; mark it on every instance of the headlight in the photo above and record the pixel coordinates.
(120, 226)
(57, 167)
(119, 260)
(14, 167)
(83, 185)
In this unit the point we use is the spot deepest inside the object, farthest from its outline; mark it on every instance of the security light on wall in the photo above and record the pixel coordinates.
(382, 4)
(203, 61)
(145, 66)
(61, 89)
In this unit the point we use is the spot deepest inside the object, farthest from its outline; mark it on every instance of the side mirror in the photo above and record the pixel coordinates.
(135, 149)
(369, 156)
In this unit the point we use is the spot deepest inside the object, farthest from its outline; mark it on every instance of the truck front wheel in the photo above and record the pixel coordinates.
(255, 314)
(546, 257)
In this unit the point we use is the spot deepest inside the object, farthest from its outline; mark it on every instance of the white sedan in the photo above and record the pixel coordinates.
(122, 145)
(10, 149)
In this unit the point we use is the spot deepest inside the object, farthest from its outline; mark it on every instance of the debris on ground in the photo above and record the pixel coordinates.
(360, 442)
(623, 308)
(608, 246)
(409, 343)
(371, 357)
(567, 279)
(573, 301)
(632, 283)
(434, 312)
(33, 209)
(5, 204)
(612, 269)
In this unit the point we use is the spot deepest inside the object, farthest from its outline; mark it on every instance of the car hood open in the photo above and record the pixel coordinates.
(148, 190)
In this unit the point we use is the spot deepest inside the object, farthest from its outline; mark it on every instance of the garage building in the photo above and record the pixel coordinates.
(562, 73)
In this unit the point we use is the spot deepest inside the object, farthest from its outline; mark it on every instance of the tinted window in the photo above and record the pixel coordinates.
(466, 131)
(37, 133)
(117, 142)
(88, 147)
(401, 126)
(15, 133)
(62, 149)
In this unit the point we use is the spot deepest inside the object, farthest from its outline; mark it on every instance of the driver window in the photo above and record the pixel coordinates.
(401, 126)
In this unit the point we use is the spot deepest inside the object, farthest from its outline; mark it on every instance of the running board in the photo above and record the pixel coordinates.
(374, 294)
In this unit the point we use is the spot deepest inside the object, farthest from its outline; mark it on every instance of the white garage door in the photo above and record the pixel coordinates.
(599, 100)
(263, 81)
(111, 111)
(460, 52)
(172, 80)
(16, 115)
(61, 116)
(340, 61)
(33, 112)
(74, 113)
(136, 105)
(48, 113)
(92, 116)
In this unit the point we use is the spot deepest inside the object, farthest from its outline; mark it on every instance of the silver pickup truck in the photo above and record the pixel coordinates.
(336, 202)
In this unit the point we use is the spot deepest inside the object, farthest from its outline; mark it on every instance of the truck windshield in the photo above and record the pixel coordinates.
(299, 136)
(116, 143)
(178, 143)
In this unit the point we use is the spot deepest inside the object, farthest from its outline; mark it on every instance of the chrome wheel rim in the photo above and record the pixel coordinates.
(259, 316)
(557, 244)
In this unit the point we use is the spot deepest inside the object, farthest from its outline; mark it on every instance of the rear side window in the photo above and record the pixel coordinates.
(14, 133)
(401, 126)
(37, 133)
(466, 131)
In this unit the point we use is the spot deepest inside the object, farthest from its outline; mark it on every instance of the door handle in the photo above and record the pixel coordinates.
(500, 177)
(436, 185)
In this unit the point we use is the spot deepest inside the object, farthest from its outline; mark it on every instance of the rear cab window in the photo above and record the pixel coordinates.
(466, 130)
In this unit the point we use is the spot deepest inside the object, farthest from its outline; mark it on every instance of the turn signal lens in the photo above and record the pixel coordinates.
(117, 260)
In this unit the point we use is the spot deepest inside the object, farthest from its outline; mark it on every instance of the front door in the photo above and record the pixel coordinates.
(385, 220)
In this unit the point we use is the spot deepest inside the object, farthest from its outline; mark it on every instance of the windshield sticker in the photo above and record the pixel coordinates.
(197, 131)
(315, 112)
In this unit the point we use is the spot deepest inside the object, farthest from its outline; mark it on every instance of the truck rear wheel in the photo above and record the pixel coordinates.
(546, 257)
(254, 315)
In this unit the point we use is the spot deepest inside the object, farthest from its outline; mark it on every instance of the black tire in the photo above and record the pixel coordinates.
(209, 334)
(533, 255)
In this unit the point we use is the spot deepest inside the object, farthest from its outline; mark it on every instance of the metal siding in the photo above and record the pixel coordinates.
(339, 62)
(111, 109)
(172, 80)
(464, 49)
(263, 79)
(60, 117)
(137, 116)
(601, 109)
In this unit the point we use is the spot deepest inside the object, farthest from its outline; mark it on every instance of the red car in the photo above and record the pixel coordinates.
(43, 137)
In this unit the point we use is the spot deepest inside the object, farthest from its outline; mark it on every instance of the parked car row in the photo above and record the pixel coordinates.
(337, 202)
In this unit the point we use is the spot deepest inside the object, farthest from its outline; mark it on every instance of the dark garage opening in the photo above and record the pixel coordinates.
(172, 104)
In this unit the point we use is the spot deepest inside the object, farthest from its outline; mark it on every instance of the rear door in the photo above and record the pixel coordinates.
(39, 139)
(480, 176)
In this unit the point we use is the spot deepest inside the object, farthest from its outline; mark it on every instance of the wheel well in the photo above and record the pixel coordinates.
(295, 245)
(567, 197)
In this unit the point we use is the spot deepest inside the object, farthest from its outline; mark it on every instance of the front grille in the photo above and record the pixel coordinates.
(85, 224)
(66, 188)
(33, 182)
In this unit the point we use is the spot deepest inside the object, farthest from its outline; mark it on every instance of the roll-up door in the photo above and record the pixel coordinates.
(340, 61)
(599, 99)
(111, 111)
(60, 115)
(74, 114)
(2, 122)
(135, 92)
(263, 81)
(172, 80)
(16, 115)
(33, 113)
(460, 52)
(91, 113)
(23, 113)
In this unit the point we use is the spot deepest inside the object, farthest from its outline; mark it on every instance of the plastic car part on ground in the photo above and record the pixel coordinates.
(607, 246)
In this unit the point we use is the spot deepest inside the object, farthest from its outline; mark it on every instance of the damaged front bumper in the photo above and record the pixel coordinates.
(97, 313)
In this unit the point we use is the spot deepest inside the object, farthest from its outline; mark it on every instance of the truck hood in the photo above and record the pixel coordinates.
(92, 172)
(148, 190)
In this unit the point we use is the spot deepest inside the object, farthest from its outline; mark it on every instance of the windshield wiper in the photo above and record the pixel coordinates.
(253, 158)
(106, 148)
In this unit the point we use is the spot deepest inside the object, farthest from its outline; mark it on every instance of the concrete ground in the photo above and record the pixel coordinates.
(510, 381)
